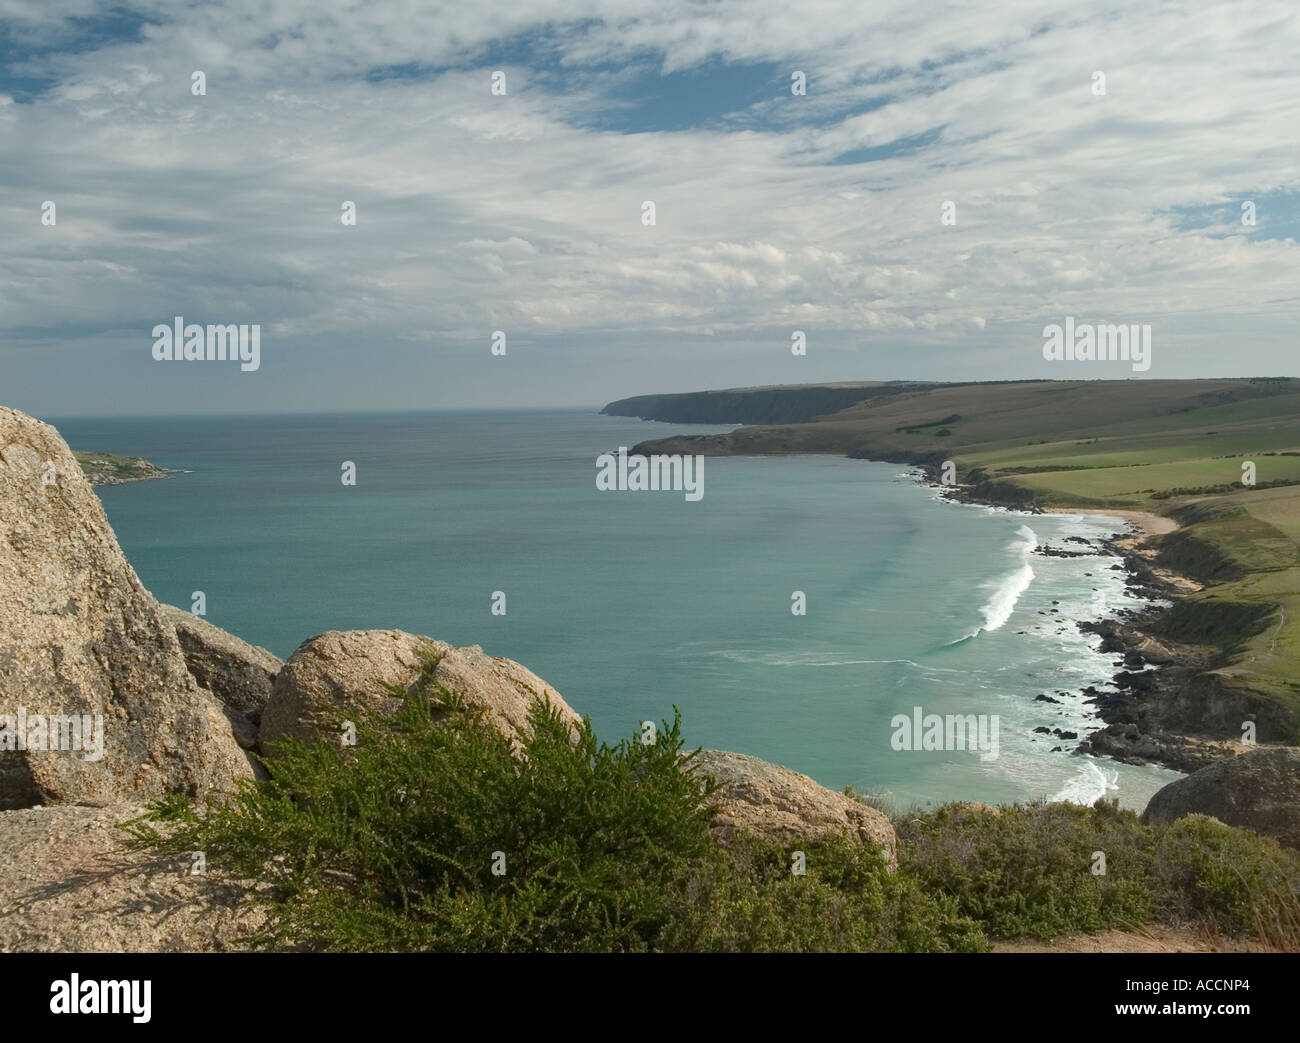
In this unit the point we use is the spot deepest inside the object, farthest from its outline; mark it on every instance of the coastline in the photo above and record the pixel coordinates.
(1148, 668)
(1152, 668)
(1204, 663)
(1150, 524)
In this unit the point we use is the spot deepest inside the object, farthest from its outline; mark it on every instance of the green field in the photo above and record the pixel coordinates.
(1170, 447)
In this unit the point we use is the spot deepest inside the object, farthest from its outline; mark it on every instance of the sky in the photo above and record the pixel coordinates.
(523, 210)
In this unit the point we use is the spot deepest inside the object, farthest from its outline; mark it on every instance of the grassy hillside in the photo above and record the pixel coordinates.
(1167, 446)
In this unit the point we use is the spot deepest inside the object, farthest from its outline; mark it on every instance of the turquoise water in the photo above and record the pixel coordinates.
(629, 602)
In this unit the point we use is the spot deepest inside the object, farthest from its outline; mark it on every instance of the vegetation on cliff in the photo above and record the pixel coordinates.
(438, 837)
(442, 837)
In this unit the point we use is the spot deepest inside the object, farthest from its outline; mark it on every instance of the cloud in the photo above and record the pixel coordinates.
(523, 212)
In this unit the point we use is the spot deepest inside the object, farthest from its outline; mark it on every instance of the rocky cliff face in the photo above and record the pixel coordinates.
(240, 675)
(96, 703)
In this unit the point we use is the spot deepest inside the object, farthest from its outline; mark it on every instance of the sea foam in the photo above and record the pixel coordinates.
(1007, 591)
(1087, 787)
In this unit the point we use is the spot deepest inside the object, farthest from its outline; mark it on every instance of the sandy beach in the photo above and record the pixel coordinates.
(1150, 524)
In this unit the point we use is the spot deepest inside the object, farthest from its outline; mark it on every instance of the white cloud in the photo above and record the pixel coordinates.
(479, 212)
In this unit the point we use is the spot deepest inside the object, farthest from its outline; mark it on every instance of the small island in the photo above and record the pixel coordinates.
(112, 469)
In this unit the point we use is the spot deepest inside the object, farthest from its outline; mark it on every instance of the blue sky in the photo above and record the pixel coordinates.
(523, 212)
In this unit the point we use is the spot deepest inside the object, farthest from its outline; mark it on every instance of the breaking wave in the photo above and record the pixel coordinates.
(1089, 786)
(1007, 591)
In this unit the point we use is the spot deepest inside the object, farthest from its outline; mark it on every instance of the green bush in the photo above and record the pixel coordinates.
(1027, 869)
(746, 899)
(434, 833)
(1231, 879)
(390, 845)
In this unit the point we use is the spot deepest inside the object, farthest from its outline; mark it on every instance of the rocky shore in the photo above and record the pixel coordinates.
(1166, 692)
(1153, 672)
(1186, 690)
(1157, 679)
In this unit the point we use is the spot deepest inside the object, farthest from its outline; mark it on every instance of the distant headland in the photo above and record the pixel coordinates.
(112, 469)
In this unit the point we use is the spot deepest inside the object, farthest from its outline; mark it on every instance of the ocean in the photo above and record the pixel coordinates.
(631, 602)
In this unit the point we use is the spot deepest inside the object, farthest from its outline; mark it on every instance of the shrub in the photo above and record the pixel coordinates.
(391, 846)
(435, 833)
(746, 899)
(1233, 880)
(1027, 869)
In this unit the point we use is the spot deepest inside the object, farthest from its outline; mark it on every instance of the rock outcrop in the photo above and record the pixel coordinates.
(501, 688)
(85, 653)
(346, 673)
(1259, 790)
(240, 675)
(68, 884)
(758, 797)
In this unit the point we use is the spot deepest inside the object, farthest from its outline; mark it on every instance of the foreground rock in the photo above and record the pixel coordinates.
(759, 797)
(1259, 790)
(240, 675)
(85, 654)
(67, 884)
(345, 673)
